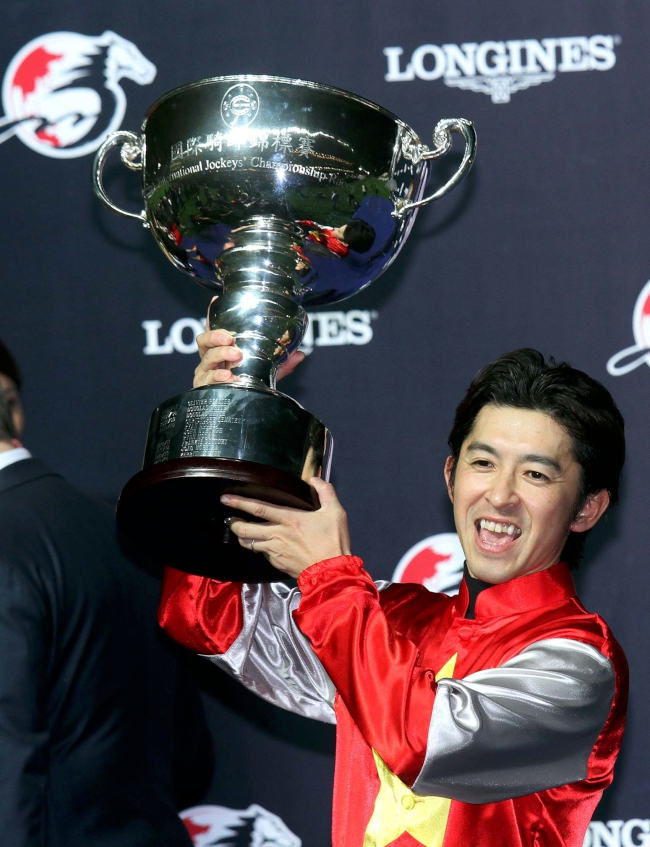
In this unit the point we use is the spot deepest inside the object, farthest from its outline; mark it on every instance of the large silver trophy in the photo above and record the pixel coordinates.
(274, 193)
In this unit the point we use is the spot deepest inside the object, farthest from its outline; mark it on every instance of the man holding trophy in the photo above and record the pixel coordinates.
(491, 718)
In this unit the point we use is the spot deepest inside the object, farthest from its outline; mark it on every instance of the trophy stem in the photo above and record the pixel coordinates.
(261, 297)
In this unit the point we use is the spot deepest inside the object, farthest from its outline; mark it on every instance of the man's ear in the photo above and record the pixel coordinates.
(449, 473)
(591, 512)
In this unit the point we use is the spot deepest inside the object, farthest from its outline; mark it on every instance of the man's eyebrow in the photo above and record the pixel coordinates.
(483, 447)
(541, 460)
(537, 458)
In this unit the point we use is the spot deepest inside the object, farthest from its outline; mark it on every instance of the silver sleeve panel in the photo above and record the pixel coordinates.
(274, 659)
(526, 726)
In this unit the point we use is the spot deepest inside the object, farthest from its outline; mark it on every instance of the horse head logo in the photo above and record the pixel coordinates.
(627, 360)
(62, 94)
(437, 563)
(218, 826)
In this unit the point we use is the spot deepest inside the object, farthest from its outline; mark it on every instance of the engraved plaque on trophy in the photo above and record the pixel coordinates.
(275, 194)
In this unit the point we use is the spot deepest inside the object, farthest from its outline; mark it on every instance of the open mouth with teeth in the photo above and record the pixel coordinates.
(496, 536)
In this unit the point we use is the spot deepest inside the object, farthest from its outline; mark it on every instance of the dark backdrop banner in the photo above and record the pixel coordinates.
(544, 245)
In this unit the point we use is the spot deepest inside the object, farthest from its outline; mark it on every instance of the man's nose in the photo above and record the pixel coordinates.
(502, 494)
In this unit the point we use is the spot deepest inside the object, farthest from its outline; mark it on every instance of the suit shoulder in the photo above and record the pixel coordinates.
(50, 530)
(54, 496)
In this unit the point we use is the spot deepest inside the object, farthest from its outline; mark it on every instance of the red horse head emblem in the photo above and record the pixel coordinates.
(62, 94)
(630, 358)
(212, 826)
(437, 563)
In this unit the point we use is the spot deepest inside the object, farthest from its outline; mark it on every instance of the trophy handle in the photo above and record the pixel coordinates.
(442, 140)
(130, 153)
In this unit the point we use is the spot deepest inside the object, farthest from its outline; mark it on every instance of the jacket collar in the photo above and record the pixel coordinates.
(522, 594)
(22, 472)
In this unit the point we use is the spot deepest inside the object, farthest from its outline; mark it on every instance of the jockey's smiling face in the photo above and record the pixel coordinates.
(516, 490)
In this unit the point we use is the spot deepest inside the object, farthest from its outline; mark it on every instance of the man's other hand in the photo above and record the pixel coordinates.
(292, 539)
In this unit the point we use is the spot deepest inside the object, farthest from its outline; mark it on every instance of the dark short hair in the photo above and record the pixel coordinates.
(7, 430)
(581, 405)
(359, 235)
(8, 365)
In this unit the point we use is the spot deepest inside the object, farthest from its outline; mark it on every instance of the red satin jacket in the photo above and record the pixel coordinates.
(492, 732)
(323, 235)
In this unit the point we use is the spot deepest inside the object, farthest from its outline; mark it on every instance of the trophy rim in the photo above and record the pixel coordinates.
(318, 86)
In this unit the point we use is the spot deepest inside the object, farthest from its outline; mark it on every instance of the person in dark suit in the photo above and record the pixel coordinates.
(10, 381)
(102, 736)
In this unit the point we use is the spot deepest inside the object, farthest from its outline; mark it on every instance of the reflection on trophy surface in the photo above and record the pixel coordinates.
(275, 194)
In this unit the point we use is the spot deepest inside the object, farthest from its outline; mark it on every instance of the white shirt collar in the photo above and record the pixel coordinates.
(15, 455)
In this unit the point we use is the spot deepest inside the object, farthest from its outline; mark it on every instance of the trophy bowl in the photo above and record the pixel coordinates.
(273, 193)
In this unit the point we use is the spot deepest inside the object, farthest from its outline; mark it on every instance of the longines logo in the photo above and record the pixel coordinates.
(326, 329)
(632, 833)
(499, 68)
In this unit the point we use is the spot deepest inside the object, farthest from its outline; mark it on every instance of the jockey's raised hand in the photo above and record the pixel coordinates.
(219, 354)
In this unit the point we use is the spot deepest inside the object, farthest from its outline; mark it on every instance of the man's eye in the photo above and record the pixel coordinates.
(538, 476)
(482, 463)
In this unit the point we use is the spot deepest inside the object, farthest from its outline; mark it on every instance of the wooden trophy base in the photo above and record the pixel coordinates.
(171, 511)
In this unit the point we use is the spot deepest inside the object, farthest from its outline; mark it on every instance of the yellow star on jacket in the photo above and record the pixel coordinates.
(398, 809)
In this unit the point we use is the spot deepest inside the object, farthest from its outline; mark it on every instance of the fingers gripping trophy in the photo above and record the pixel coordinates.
(274, 194)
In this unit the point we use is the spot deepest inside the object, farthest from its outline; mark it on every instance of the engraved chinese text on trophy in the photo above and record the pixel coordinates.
(273, 193)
